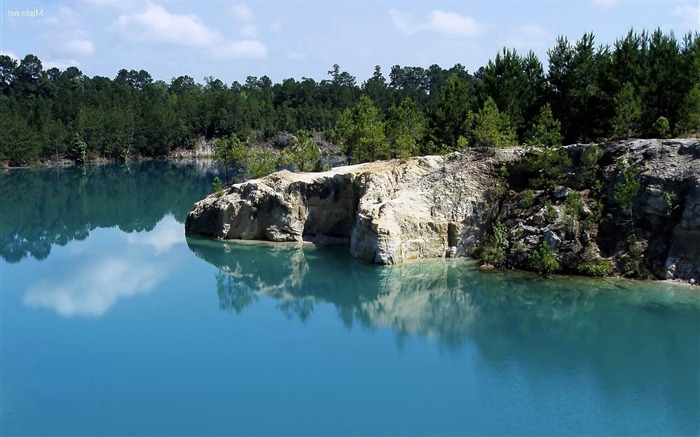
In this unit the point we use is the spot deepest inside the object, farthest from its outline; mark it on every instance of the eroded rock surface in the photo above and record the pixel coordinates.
(438, 206)
(389, 212)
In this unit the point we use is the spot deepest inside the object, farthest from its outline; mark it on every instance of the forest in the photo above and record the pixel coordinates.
(647, 84)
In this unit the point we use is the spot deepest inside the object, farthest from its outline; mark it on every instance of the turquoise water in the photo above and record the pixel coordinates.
(115, 323)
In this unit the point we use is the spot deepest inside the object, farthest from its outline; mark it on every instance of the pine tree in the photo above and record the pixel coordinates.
(628, 112)
(406, 128)
(492, 129)
(545, 130)
(303, 151)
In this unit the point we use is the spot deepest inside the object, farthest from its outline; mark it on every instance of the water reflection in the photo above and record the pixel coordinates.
(90, 280)
(625, 335)
(44, 208)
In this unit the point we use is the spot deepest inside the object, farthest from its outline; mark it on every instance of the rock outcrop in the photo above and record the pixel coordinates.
(441, 206)
(388, 212)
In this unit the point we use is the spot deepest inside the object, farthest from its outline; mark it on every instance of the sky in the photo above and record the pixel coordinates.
(230, 40)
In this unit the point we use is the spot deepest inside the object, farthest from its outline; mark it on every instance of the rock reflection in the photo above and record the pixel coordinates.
(624, 334)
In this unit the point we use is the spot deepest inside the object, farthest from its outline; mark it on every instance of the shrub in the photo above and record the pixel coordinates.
(550, 213)
(218, 186)
(628, 188)
(495, 249)
(527, 198)
(597, 268)
(661, 127)
(544, 260)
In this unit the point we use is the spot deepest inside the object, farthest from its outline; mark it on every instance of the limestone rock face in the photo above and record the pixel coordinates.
(389, 212)
(442, 206)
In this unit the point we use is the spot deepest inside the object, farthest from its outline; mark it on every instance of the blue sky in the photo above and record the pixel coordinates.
(231, 40)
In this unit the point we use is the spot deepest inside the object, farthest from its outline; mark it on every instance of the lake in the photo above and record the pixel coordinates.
(115, 323)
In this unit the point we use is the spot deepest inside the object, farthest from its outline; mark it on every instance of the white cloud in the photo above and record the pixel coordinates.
(61, 64)
(440, 22)
(689, 16)
(245, 21)
(66, 18)
(403, 22)
(239, 49)
(277, 26)
(241, 12)
(83, 47)
(155, 24)
(450, 23)
(113, 4)
(167, 233)
(94, 289)
(10, 54)
(249, 31)
(94, 284)
(528, 37)
(69, 43)
(61, 41)
(604, 4)
(295, 56)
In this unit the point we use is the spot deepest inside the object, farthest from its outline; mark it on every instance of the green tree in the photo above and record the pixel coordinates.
(492, 129)
(627, 189)
(406, 128)
(452, 113)
(544, 260)
(517, 85)
(495, 248)
(78, 150)
(231, 153)
(377, 89)
(628, 112)
(361, 132)
(545, 130)
(690, 112)
(661, 127)
(261, 163)
(303, 151)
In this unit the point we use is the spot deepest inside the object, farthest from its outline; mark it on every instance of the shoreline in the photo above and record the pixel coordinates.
(308, 242)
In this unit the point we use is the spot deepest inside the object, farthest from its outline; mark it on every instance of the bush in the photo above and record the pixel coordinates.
(495, 249)
(218, 186)
(550, 212)
(598, 268)
(627, 189)
(544, 260)
(661, 127)
(527, 198)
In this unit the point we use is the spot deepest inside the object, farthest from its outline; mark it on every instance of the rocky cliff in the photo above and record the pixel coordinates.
(438, 206)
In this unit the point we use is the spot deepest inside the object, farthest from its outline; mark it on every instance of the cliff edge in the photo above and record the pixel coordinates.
(438, 206)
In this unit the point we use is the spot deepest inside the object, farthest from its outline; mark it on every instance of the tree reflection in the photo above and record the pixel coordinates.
(46, 207)
(233, 295)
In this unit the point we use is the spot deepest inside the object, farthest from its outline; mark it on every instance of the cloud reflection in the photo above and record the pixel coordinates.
(104, 273)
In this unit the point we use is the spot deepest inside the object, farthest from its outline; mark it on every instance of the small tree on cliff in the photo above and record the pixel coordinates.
(492, 128)
(361, 132)
(627, 188)
(545, 130)
(231, 153)
(303, 151)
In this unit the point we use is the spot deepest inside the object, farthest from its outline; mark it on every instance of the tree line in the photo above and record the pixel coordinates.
(644, 85)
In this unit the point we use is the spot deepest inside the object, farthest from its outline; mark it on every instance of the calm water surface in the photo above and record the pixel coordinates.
(114, 323)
